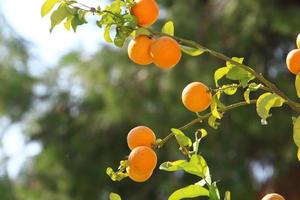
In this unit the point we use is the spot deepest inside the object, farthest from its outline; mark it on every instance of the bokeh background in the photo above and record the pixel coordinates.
(67, 102)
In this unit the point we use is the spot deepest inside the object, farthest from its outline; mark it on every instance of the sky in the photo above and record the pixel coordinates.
(24, 17)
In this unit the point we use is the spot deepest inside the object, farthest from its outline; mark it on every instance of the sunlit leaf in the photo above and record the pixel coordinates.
(48, 6)
(298, 154)
(114, 196)
(58, 16)
(267, 101)
(227, 196)
(296, 130)
(215, 104)
(181, 138)
(192, 51)
(212, 122)
(173, 166)
(220, 73)
(190, 191)
(168, 28)
(107, 37)
(230, 89)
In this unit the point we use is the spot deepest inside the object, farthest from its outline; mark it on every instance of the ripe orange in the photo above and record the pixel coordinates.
(298, 41)
(196, 97)
(146, 12)
(293, 61)
(142, 159)
(140, 136)
(165, 52)
(137, 176)
(273, 196)
(139, 50)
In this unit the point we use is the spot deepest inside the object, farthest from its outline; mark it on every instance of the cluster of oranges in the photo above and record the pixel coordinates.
(293, 58)
(164, 52)
(142, 158)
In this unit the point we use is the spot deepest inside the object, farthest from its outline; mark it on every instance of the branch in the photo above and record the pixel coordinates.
(202, 118)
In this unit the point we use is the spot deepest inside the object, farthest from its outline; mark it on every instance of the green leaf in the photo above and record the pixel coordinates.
(296, 134)
(196, 166)
(236, 59)
(181, 138)
(252, 87)
(247, 95)
(114, 196)
(203, 133)
(192, 51)
(227, 196)
(212, 122)
(58, 16)
(267, 101)
(68, 23)
(214, 192)
(297, 84)
(107, 37)
(220, 73)
(215, 103)
(168, 28)
(190, 191)
(48, 6)
(229, 89)
(298, 154)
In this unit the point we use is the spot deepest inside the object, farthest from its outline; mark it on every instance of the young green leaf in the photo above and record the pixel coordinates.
(215, 103)
(236, 59)
(181, 138)
(114, 196)
(267, 101)
(168, 28)
(229, 89)
(192, 51)
(58, 16)
(48, 6)
(297, 84)
(212, 122)
(220, 73)
(296, 134)
(173, 166)
(203, 134)
(227, 196)
(214, 192)
(190, 191)
(107, 37)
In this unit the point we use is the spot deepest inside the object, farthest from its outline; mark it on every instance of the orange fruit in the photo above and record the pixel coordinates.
(293, 61)
(298, 41)
(140, 136)
(138, 176)
(165, 52)
(196, 97)
(139, 50)
(273, 196)
(142, 159)
(145, 11)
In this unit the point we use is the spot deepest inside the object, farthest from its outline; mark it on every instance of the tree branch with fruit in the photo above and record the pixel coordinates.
(131, 19)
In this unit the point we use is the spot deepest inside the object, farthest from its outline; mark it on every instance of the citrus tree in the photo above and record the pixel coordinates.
(124, 19)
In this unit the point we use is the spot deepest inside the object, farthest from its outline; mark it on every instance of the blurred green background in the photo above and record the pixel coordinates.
(76, 112)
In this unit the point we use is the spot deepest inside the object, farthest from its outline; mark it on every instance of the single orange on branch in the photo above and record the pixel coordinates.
(140, 136)
(165, 52)
(145, 11)
(293, 61)
(196, 97)
(139, 50)
(273, 196)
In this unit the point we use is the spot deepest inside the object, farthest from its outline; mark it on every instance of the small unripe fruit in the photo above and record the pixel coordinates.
(196, 97)
(139, 50)
(293, 61)
(273, 196)
(140, 136)
(145, 11)
(142, 159)
(165, 52)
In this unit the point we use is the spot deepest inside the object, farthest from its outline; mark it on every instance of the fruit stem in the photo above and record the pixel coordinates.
(201, 118)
